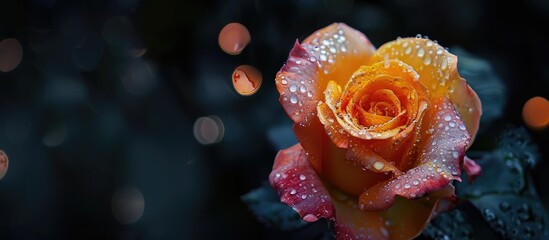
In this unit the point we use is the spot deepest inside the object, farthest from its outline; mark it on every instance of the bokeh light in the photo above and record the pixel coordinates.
(535, 113)
(4, 162)
(11, 54)
(138, 77)
(55, 136)
(127, 205)
(246, 80)
(208, 130)
(233, 38)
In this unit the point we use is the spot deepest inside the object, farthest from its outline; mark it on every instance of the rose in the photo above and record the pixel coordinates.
(373, 125)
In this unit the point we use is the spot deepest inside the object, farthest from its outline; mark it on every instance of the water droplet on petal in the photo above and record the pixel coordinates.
(293, 191)
(302, 177)
(293, 99)
(379, 165)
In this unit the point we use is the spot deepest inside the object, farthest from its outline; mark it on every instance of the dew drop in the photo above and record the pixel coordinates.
(420, 52)
(379, 165)
(415, 182)
(444, 64)
(408, 50)
(302, 89)
(302, 177)
(277, 176)
(462, 126)
(293, 191)
(427, 60)
(303, 196)
(293, 88)
(447, 117)
(452, 124)
(323, 57)
(439, 51)
(455, 154)
(406, 185)
(293, 99)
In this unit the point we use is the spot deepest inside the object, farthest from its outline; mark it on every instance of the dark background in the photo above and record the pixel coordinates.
(75, 132)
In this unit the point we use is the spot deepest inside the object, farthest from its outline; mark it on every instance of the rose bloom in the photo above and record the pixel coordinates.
(382, 133)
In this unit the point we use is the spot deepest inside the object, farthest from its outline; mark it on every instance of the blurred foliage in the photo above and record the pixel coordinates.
(482, 77)
(504, 193)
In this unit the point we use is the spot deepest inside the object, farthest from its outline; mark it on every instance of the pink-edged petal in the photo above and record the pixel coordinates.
(472, 169)
(338, 51)
(297, 83)
(447, 200)
(438, 163)
(298, 185)
(468, 104)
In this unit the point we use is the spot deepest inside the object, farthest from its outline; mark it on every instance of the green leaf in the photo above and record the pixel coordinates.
(266, 206)
(504, 194)
(487, 84)
(449, 225)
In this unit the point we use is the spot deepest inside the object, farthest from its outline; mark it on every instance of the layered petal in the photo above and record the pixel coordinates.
(468, 104)
(438, 163)
(298, 185)
(297, 83)
(338, 51)
(331, 53)
(390, 92)
(437, 69)
(404, 220)
(472, 169)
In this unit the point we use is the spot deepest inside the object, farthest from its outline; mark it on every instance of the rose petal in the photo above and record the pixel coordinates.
(348, 169)
(351, 223)
(468, 105)
(406, 219)
(338, 51)
(298, 185)
(297, 83)
(472, 169)
(439, 162)
(437, 69)
(402, 77)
